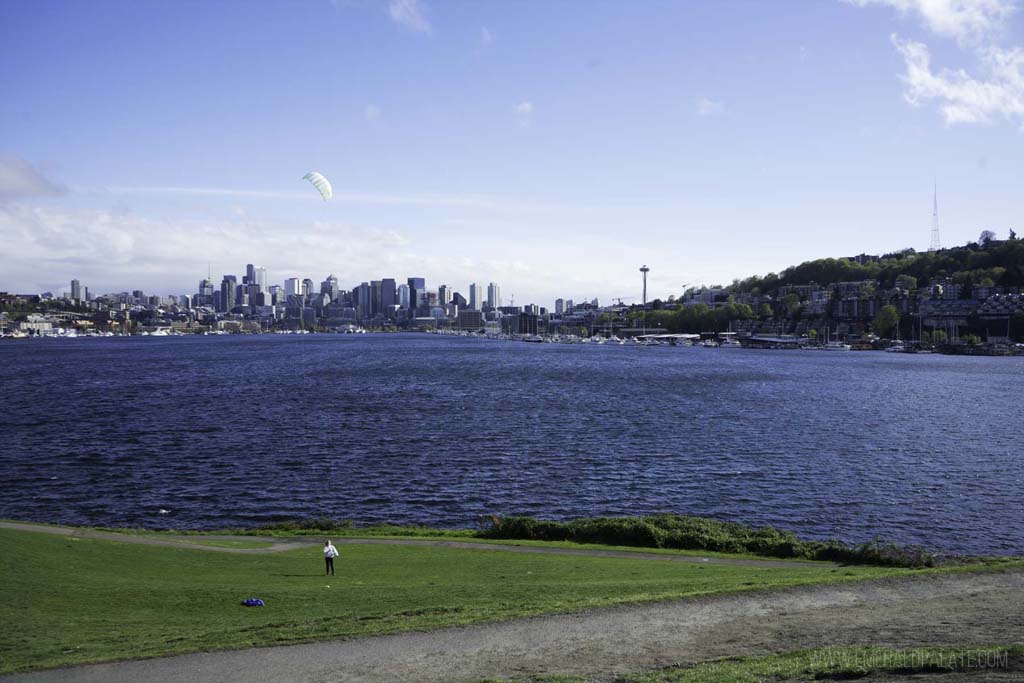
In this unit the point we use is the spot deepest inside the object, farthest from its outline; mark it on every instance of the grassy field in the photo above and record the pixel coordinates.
(66, 600)
(845, 663)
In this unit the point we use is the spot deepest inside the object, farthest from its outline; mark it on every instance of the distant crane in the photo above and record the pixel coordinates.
(620, 299)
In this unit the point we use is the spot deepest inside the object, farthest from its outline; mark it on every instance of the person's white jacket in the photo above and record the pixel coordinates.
(330, 550)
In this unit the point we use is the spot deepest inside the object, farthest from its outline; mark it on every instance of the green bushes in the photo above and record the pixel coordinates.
(700, 533)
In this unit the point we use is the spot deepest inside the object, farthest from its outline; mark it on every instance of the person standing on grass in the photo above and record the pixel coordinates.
(330, 552)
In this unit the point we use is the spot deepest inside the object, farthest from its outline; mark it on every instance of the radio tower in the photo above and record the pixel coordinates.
(936, 244)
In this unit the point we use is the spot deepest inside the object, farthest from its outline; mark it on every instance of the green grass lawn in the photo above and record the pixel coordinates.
(68, 600)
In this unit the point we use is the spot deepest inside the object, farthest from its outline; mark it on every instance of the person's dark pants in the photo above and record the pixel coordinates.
(329, 561)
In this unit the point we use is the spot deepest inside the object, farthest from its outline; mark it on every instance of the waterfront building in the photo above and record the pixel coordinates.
(388, 294)
(475, 299)
(330, 287)
(227, 293)
(493, 296)
(470, 321)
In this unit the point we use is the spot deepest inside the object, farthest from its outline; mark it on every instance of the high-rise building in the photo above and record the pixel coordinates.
(363, 304)
(444, 295)
(460, 301)
(475, 298)
(227, 292)
(292, 286)
(569, 305)
(403, 296)
(330, 287)
(260, 279)
(250, 274)
(376, 299)
(416, 287)
(559, 306)
(76, 290)
(307, 287)
(493, 296)
(388, 293)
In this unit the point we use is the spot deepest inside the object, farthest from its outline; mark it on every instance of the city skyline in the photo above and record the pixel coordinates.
(631, 135)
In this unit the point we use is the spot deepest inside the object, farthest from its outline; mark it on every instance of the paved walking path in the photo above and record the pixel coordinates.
(942, 609)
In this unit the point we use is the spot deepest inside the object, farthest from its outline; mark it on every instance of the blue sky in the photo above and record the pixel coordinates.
(550, 147)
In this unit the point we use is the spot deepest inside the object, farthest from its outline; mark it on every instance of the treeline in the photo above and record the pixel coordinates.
(698, 318)
(990, 263)
(700, 533)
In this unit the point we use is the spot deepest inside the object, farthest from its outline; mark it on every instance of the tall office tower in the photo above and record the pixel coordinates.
(292, 286)
(475, 298)
(444, 295)
(416, 287)
(76, 290)
(493, 296)
(569, 305)
(250, 274)
(362, 301)
(227, 293)
(402, 295)
(205, 289)
(88, 296)
(460, 301)
(376, 298)
(330, 287)
(595, 302)
(260, 278)
(307, 287)
(387, 293)
(185, 301)
(559, 306)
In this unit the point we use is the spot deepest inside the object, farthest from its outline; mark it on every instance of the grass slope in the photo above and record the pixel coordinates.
(67, 600)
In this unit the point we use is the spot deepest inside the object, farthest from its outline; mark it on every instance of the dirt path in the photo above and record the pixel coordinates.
(945, 609)
(278, 544)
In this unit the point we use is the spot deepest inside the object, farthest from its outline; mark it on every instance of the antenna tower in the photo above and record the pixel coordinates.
(936, 243)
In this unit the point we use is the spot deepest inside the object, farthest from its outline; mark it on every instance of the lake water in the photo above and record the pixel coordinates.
(228, 431)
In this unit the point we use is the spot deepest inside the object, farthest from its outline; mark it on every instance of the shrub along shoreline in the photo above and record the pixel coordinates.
(668, 531)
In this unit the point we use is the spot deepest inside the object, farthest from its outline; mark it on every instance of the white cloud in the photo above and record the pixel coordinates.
(708, 107)
(967, 21)
(486, 37)
(996, 94)
(18, 178)
(960, 97)
(524, 113)
(410, 14)
(371, 112)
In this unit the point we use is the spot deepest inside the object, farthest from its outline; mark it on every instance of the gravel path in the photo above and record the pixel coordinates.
(277, 544)
(944, 609)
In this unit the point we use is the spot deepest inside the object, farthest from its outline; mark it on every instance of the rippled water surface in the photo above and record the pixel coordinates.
(226, 431)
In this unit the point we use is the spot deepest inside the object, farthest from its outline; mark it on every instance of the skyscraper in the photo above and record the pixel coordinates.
(260, 279)
(292, 287)
(402, 296)
(559, 306)
(227, 292)
(416, 287)
(475, 298)
(493, 296)
(330, 287)
(76, 290)
(444, 295)
(307, 287)
(388, 293)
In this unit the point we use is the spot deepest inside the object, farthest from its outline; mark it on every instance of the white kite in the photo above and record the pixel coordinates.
(320, 183)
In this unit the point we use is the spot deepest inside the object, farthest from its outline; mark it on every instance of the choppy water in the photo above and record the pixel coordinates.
(224, 431)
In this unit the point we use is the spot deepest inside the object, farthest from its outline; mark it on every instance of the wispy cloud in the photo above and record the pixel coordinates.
(967, 21)
(486, 37)
(996, 93)
(409, 14)
(524, 113)
(19, 179)
(709, 107)
(960, 97)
